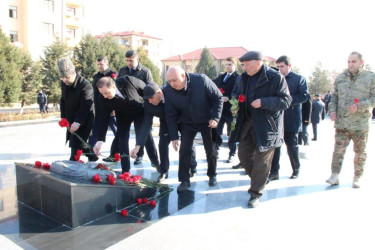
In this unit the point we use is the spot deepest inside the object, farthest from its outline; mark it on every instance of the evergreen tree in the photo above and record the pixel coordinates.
(146, 61)
(113, 51)
(320, 80)
(31, 84)
(206, 64)
(14, 62)
(85, 56)
(51, 81)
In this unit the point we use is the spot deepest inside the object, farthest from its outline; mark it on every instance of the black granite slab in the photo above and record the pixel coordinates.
(72, 203)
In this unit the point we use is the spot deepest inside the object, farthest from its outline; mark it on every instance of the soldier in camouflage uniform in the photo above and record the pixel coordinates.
(350, 107)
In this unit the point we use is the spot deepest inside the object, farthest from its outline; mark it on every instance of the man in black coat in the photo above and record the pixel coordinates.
(155, 107)
(42, 101)
(306, 119)
(125, 98)
(104, 70)
(77, 106)
(225, 83)
(264, 96)
(297, 86)
(136, 69)
(317, 113)
(195, 103)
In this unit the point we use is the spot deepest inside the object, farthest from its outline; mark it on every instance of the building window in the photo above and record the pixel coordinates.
(71, 33)
(48, 29)
(12, 12)
(13, 36)
(71, 11)
(49, 5)
(124, 41)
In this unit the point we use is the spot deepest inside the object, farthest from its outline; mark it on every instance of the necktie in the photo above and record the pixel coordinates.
(226, 77)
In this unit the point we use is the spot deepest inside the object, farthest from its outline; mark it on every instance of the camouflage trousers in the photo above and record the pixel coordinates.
(342, 139)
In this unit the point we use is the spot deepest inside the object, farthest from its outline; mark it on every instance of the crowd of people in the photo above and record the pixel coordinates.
(262, 108)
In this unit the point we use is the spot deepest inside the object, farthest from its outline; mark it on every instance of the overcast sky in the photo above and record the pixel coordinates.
(307, 31)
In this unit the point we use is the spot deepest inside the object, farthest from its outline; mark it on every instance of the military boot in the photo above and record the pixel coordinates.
(334, 179)
(356, 182)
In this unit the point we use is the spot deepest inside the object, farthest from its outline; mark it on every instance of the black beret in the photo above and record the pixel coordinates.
(251, 55)
(150, 90)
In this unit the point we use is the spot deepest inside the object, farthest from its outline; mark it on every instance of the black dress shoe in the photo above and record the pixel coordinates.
(93, 157)
(192, 174)
(253, 202)
(238, 166)
(295, 175)
(162, 177)
(273, 177)
(109, 159)
(212, 181)
(230, 159)
(183, 186)
(313, 139)
(138, 161)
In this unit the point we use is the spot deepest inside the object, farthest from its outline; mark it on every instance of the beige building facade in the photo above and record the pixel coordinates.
(133, 40)
(34, 24)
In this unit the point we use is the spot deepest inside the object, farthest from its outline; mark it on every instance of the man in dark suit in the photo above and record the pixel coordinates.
(155, 107)
(297, 86)
(77, 106)
(306, 119)
(125, 98)
(225, 83)
(104, 70)
(195, 103)
(317, 113)
(327, 100)
(136, 69)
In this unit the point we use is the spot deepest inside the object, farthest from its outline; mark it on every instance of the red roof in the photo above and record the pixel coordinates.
(216, 53)
(127, 33)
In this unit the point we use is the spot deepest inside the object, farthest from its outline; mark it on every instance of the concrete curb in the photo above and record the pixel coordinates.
(28, 122)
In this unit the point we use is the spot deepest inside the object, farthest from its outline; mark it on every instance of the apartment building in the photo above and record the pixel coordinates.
(33, 24)
(134, 40)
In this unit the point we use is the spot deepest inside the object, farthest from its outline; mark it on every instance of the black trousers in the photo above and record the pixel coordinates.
(257, 164)
(123, 134)
(231, 143)
(150, 144)
(291, 142)
(188, 134)
(315, 130)
(164, 142)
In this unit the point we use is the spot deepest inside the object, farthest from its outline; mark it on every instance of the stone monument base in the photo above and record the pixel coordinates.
(72, 201)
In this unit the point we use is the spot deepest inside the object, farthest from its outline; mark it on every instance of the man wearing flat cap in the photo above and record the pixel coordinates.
(155, 107)
(263, 95)
(125, 98)
(76, 105)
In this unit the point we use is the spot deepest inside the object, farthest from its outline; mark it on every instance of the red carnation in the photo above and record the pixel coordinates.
(126, 175)
(79, 152)
(145, 200)
(117, 157)
(76, 157)
(38, 164)
(121, 176)
(64, 123)
(112, 181)
(81, 161)
(139, 201)
(153, 203)
(96, 178)
(110, 177)
(113, 75)
(46, 166)
(241, 98)
(124, 212)
(222, 90)
(356, 101)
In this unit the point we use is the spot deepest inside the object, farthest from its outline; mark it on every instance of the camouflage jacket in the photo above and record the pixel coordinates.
(347, 90)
